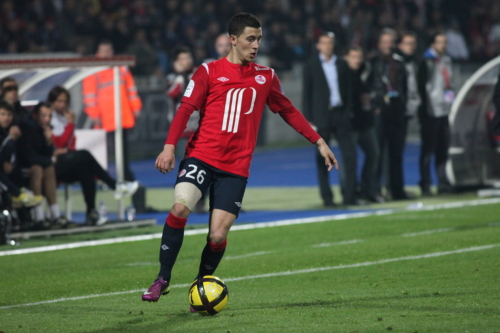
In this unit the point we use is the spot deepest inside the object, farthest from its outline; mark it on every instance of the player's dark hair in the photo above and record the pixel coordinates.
(354, 47)
(55, 92)
(435, 35)
(180, 50)
(6, 106)
(240, 21)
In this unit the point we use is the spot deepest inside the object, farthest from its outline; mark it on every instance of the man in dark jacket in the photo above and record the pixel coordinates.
(388, 87)
(362, 122)
(324, 96)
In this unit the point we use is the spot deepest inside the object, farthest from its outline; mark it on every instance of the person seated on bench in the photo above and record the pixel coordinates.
(20, 197)
(79, 165)
(35, 151)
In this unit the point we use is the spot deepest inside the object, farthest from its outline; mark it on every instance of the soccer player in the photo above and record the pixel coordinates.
(231, 94)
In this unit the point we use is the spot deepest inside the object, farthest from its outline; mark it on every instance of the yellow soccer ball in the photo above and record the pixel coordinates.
(208, 295)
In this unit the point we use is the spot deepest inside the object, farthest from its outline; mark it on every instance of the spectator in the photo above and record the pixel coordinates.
(9, 93)
(456, 46)
(21, 197)
(434, 81)
(79, 165)
(222, 46)
(324, 97)
(177, 83)
(145, 55)
(37, 148)
(388, 86)
(362, 123)
(405, 53)
(99, 104)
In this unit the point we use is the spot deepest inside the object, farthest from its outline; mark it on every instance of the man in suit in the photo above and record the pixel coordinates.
(324, 95)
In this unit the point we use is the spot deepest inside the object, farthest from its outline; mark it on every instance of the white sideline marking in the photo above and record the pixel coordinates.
(427, 232)
(248, 255)
(248, 226)
(338, 243)
(259, 276)
(142, 264)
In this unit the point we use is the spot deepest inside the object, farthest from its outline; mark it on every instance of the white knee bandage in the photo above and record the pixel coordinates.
(187, 194)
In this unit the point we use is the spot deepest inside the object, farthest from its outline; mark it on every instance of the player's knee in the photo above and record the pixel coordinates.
(180, 210)
(217, 236)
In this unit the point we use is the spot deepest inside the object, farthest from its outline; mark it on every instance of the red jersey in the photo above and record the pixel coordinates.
(231, 99)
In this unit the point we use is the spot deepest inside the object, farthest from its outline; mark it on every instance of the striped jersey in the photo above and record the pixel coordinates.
(231, 100)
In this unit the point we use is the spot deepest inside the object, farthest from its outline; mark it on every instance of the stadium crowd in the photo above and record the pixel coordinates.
(153, 29)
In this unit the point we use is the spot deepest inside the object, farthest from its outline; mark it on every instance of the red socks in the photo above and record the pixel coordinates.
(176, 222)
(217, 247)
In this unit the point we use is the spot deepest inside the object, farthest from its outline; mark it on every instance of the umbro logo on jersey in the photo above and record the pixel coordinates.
(238, 204)
(223, 79)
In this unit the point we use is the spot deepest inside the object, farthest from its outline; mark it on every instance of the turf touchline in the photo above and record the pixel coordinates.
(427, 232)
(353, 241)
(285, 273)
(248, 226)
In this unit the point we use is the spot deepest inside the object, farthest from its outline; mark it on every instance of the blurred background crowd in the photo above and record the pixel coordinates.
(152, 29)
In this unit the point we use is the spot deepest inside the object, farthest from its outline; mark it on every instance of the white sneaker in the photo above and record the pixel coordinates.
(126, 189)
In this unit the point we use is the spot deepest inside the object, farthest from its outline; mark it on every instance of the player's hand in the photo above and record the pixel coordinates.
(70, 116)
(14, 132)
(165, 162)
(325, 151)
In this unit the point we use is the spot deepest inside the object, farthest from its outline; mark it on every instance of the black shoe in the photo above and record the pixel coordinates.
(59, 223)
(329, 204)
(356, 202)
(426, 192)
(41, 225)
(377, 198)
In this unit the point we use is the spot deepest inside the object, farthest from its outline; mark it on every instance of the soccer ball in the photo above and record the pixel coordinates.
(208, 295)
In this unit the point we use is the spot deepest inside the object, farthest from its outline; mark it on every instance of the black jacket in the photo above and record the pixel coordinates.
(360, 119)
(316, 92)
(32, 147)
(384, 70)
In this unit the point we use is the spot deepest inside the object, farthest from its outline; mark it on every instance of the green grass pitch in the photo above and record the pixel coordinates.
(452, 291)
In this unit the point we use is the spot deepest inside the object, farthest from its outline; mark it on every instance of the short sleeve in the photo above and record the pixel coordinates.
(197, 88)
(276, 100)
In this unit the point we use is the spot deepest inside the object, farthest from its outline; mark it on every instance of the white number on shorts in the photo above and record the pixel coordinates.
(190, 173)
(199, 178)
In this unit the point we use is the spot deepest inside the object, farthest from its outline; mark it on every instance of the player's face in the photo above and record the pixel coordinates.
(354, 59)
(439, 44)
(61, 103)
(247, 44)
(408, 45)
(5, 118)
(222, 45)
(386, 44)
(44, 116)
(325, 46)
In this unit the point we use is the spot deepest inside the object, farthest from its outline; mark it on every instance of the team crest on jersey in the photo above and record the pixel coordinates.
(182, 173)
(260, 79)
(223, 79)
(261, 68)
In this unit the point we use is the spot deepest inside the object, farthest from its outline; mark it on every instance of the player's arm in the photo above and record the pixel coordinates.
(279, 103)
(193, 99)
